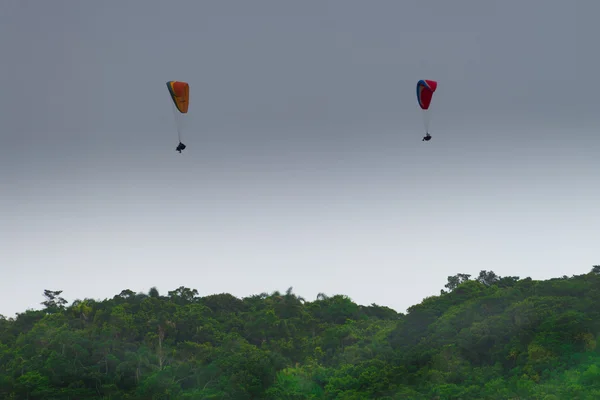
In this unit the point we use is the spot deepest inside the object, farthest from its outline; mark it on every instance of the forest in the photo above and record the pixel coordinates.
(482, 337)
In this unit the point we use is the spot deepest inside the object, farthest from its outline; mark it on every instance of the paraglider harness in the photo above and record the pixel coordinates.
(427, 138)
(180, 147)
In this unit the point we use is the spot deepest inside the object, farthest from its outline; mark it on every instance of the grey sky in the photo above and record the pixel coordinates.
(305, 165)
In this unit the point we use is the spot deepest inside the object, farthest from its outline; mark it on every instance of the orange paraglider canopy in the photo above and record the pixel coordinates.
(180, 93)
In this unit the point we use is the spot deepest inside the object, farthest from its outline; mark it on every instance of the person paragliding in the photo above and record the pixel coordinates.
(180, 147)
(425, 90)
(180, 94)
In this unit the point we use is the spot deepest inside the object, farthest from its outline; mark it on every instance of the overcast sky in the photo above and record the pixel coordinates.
(304, 164)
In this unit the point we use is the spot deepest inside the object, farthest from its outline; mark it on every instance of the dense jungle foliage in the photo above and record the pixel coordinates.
(486, 338)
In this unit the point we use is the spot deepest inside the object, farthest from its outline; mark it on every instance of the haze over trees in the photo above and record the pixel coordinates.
(488, 337)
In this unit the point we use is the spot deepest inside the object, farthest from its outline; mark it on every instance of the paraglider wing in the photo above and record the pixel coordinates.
(180, 93)
(425, 90)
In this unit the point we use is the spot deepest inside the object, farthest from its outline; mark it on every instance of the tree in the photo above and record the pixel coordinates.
(488, 278)
(490, 338)
(183, 295)
(456, 280)
(53, 303)
(153, 292)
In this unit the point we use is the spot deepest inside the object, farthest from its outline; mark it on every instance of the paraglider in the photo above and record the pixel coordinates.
(180, 94)
(425, 90)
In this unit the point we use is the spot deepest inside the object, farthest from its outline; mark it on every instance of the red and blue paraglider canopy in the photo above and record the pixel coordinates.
(425, 90)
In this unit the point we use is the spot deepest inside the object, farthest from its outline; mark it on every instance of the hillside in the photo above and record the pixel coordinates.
(486, 338)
